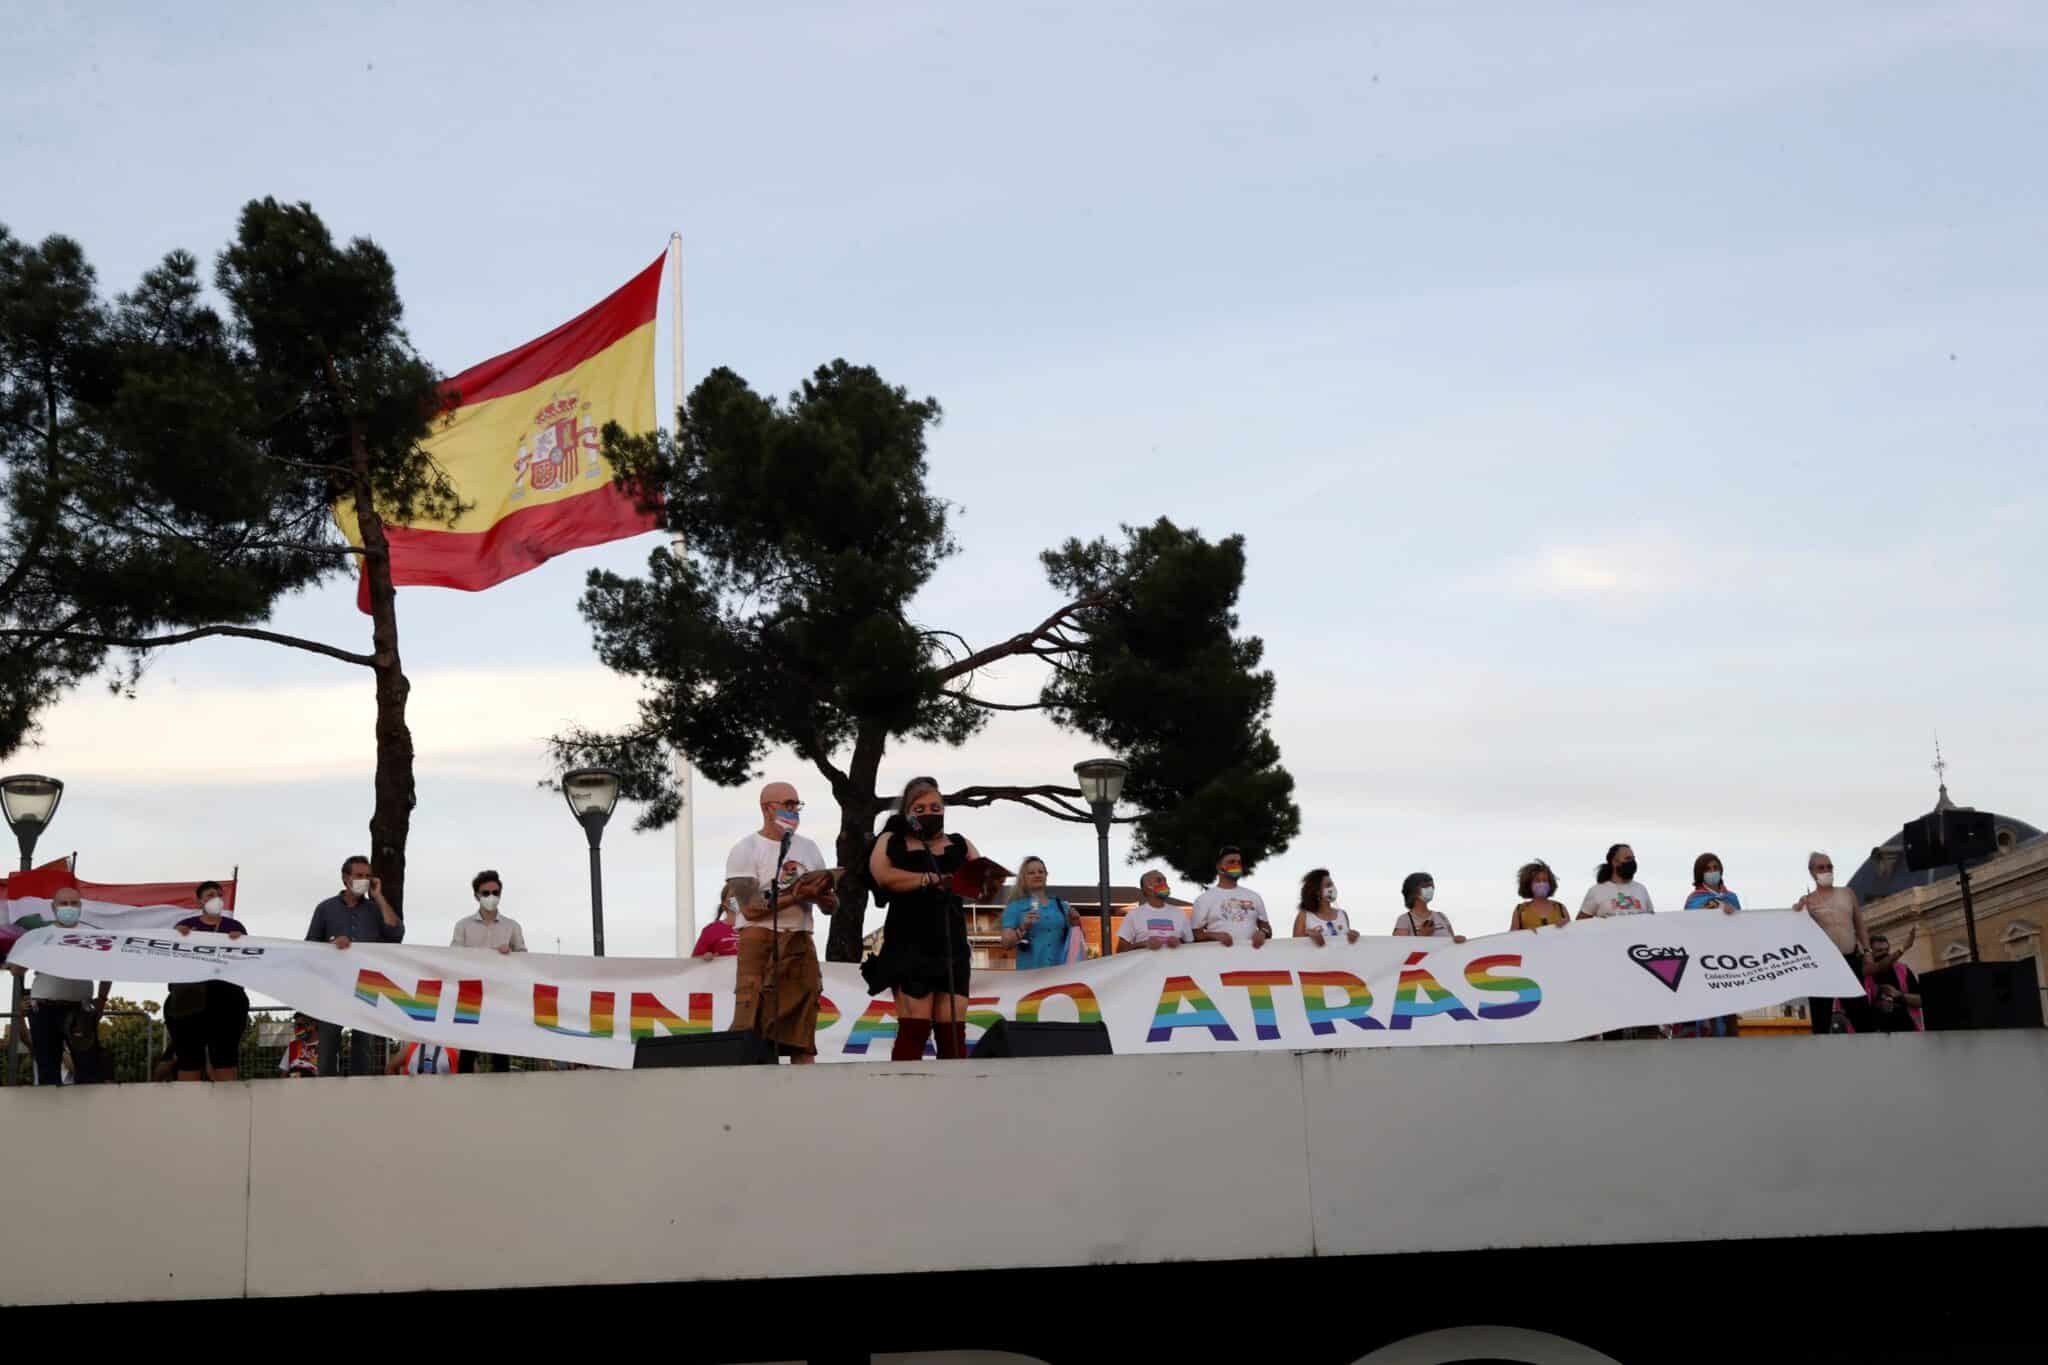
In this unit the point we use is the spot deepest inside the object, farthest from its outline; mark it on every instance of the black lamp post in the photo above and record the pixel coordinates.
(29, 801)
(592, 792)
(1102, 781)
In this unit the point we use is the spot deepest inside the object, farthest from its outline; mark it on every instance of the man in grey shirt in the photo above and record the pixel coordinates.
(359, 912)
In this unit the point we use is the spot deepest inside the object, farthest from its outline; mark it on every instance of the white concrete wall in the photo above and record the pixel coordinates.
(376, 1184)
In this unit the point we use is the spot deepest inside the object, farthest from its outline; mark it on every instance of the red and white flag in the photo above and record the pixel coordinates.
(109, 905)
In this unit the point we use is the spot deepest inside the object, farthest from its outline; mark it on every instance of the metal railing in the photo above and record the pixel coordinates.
(135, 1047)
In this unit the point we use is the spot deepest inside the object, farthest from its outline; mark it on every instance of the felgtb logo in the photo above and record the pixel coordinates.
(95, 942)
(1666, 964)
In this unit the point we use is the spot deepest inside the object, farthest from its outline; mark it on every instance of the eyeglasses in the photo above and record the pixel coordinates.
(1823, 867)
(793, 807)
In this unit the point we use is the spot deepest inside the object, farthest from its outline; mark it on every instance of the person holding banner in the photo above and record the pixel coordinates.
(61, 1008)
(1537, 882)
(1615, 890)
(1228, 913)
(1709, 892)
(1840, 915)
(488, 928)
(210, 1042)
(1319, 919)
(1152, 923)
(1418, 889)
(359, 912)
(774, 877)
(924, 962)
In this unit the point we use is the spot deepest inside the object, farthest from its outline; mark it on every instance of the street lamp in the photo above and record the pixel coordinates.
(29, 801)
(1102, 781)
(592, 792)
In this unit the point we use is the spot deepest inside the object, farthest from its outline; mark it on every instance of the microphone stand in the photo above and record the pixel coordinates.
(774, 942)
(944, 888)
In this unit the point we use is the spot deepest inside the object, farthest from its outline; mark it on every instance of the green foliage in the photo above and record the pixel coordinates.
(809, 530)
(167, 468)
(1174, 691)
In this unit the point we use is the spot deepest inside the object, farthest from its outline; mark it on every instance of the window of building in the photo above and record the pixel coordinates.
(1954, 953)
(2022, 939)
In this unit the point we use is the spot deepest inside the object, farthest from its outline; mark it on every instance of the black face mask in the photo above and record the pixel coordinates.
(928, 826)
(1626, 869)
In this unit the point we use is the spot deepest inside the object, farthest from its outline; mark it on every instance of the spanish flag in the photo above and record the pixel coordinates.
(519, 440)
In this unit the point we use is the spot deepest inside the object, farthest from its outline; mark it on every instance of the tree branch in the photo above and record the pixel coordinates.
(994, 705)
(1033, 797)
(81, 637)
(1026, 643)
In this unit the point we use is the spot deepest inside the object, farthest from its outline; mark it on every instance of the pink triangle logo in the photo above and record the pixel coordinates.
(1666, 964)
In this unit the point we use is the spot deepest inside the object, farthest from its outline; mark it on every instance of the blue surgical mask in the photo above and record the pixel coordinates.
(1711, 877)
(1428, 894)
(67, 915)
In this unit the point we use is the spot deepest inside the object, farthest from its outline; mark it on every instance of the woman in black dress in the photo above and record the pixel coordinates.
(924, 960)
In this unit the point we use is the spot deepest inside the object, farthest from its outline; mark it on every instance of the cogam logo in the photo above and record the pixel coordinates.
(1666, 964)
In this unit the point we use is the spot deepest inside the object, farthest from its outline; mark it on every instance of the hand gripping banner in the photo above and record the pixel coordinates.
(1531, 986)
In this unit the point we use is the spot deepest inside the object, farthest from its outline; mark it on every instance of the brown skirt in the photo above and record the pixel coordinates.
(787, 1011)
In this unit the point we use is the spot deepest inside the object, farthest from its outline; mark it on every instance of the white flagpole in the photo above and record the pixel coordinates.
(686, 841)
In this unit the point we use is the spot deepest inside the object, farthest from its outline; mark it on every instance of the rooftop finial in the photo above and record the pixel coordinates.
(1940, 766)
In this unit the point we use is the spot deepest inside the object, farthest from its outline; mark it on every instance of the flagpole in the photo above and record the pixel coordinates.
(686, 816)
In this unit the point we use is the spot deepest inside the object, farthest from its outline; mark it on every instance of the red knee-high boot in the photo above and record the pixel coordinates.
(910, 1036)
(952, 1041)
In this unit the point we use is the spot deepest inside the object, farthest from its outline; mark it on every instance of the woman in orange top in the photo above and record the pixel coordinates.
(1536, 881)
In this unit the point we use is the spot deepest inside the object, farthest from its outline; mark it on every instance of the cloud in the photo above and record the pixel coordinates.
(463, 720)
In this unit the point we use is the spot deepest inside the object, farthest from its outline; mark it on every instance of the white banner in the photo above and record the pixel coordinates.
(1534, 986)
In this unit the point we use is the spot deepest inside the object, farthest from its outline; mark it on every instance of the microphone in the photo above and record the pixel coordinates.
(781, 857)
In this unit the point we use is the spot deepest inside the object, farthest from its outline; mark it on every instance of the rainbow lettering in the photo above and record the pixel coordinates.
(1323, 1017)
(1479, 975)
(469, 1001)
(547, 1012)
(1201, 1012)
(1085, 1004)
(421, 1005)
(828, 1013)
(1416, 981)
(1259, 986)
(648, 1012)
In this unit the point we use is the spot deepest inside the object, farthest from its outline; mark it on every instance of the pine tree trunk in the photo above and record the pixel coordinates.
(858, 809)
(391, 816)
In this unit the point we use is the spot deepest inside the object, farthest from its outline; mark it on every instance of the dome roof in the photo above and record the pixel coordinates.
(1884, 872)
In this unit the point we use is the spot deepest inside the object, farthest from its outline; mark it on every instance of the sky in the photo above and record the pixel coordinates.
(1633, 413)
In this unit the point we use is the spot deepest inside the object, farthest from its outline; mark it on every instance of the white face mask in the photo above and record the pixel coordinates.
(359, 886)
(1823, 880)
(1712, 877)
(1428, 894)
(1330, 894)
(489, 900)
(214, 905)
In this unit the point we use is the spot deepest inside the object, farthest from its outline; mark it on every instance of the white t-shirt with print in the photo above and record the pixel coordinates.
(1236, 912)
(754, 856)
(1335, 930)
(1143, 924)
(1616, 898)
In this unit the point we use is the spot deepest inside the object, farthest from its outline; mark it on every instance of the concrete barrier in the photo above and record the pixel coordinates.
(272, 1189)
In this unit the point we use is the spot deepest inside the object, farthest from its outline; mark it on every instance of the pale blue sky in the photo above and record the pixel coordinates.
(1634, 411)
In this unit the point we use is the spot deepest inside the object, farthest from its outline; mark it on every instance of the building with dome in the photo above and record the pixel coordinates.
(2009, 889)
